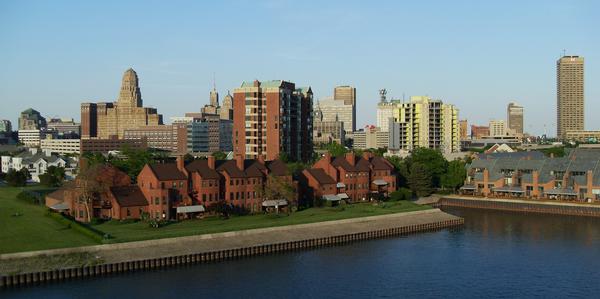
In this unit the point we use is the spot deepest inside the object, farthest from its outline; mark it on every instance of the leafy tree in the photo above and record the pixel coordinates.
(419, 179)
(94, 159)
(188, 158)
(455, 175)
(336, 149)
(53, 177)
(220, 155)
(17, 178)
(276, 188)
(401, 194)
(401, 168)
(284, 157)
(432, 160)
(132, 161)
(90, 187)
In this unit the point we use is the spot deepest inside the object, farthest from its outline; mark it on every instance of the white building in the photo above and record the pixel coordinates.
(37, 162)
(30, 138)
(370, 138)
(337, 110)
(497, 128)
(61, 146)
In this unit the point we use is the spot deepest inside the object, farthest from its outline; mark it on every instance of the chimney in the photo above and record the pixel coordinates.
(211, 161)
(180, 164)
(350, 158)
(239, 162)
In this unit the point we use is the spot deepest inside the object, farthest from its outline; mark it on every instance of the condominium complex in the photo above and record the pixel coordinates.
(103, 120)
(342, 106)
(425, 122)
(272, 117)
(569, 95)
(514, 116)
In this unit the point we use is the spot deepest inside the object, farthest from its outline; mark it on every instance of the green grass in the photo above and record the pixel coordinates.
(35, 231)
(126, 232)
(32, 230)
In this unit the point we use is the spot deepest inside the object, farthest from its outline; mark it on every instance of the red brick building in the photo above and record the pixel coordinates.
(270, 118)
(165, 187)
(348, 177)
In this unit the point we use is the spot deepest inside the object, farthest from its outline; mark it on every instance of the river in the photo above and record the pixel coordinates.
(495, 255)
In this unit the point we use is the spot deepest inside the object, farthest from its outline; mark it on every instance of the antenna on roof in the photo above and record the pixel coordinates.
(564, 52)
(214, 82)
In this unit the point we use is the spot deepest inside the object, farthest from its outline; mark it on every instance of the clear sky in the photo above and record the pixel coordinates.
(478, 55)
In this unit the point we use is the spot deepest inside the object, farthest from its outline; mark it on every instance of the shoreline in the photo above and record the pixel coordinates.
(519, 205)
(133, 256)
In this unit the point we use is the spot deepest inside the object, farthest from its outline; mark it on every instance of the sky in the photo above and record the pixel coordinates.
(477, 55)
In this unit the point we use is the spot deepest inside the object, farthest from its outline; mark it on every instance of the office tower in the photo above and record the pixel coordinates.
(425, 122)
(270, 118)
(341, 106)
(5, 127)
(514, 116)
(569, 95)
(104, 120)
(31, 119)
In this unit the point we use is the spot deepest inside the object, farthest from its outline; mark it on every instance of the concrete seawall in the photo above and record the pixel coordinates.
(541, 207)
(152, 254)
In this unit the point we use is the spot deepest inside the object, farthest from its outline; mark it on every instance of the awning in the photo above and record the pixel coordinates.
(468, 187)
(508, 189)
(60, 207)
(331, 197)
(274, 203)
(190, 209)
(343, 196)
(380, 182)
(556, 191)
(340, 185)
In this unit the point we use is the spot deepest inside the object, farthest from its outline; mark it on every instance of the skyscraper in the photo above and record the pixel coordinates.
(270, 118)
(104, 120)
(342, 106)
(514, 116)
(569, 95)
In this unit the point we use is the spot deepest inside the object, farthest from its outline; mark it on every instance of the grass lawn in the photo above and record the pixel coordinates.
(125, 232)
(32, 230)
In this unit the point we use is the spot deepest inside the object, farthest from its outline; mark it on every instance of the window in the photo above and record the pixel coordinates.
(128, 213)
(174, 184)
(203, 197)
(164, 200)
(181, 184)
(230, 195)
(156, 201)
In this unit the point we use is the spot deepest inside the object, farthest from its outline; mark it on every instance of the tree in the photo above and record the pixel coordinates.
(188, 158)
(94, 159)
(17, 178)
(455, 175)
(434, 162)
(401, 168)
(90, 187)
(336, 149)
(419, 180)
(277, 188)
(132, 161)
(220, 155)
(53, 177)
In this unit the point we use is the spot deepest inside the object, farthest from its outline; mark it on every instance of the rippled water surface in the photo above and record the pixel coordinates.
(496, 254)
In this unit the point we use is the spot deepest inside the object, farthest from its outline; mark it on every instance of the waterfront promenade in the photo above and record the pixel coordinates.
(361, 228)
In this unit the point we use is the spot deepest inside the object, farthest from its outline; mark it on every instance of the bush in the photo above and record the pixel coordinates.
(401, 194)
(30, 197)
(84, 229)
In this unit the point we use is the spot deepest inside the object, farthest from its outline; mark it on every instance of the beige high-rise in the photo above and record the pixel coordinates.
(569, 95)
(514, 116)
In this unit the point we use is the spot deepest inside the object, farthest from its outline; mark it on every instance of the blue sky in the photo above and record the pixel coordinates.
(479, 56)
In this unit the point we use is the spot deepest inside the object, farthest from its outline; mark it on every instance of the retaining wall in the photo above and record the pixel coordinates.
(25, 279)
(521, 206)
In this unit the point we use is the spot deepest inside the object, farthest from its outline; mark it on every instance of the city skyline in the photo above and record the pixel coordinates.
(477, 58)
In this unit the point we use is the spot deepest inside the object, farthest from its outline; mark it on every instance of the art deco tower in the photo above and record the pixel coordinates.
(130, 95)
(569, 95)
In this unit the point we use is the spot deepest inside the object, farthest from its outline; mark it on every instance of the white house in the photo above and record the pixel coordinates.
(37, 162)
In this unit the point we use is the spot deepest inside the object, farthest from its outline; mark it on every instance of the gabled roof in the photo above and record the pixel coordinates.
(201, 167)
(277, 167)
(343, 163)
(129, 196)
(167, 171)
(380, 163)
(320, 175)
(230, 167)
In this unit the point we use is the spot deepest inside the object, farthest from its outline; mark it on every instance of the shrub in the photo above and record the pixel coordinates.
(30, 197)
(401, 194)
(71, 223)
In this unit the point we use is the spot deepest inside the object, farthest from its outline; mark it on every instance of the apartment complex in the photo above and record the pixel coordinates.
(272, 117)
(533, 175)
(514, 117)
(350, 178)
(425, 122)
(103, 120)
(569, 95)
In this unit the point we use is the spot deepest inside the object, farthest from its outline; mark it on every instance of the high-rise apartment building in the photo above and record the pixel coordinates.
(497, 128)
(385, 111)
(569, 95)
(514, 116)
(425, 122)
(272, 117)
(104, 120)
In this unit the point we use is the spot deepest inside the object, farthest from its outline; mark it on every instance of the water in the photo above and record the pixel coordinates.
(496, 254)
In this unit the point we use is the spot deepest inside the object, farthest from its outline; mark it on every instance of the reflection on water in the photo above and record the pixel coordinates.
(496, 254)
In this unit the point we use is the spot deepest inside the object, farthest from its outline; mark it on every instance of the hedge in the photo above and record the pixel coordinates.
(86, 230)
